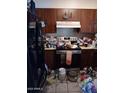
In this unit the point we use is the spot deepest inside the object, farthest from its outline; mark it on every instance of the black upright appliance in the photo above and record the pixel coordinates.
(36, 70)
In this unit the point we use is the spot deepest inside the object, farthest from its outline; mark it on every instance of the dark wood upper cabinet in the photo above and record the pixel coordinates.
(68, 15)
(40, 13)
(49, 16)
(88, 20)
(50, 19)
(87, 17)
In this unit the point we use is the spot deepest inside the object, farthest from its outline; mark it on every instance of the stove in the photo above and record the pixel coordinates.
(67, 38)
(65, 51)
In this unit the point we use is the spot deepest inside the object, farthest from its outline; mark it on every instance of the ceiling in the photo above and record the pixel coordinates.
(88, 4)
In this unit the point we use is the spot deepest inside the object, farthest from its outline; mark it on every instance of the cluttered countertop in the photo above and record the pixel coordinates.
(69, 43)
(82, 48)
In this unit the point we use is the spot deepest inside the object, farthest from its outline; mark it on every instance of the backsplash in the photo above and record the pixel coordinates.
(85, 39)
(70, 32)
(66, 32)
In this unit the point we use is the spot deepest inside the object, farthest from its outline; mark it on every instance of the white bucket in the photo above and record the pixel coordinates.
(62, 74)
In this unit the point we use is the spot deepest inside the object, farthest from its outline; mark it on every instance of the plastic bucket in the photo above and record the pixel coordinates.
(62, 74)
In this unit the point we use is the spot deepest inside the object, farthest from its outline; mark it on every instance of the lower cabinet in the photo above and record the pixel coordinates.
(50, 58)
(88, 58)
(61, 61)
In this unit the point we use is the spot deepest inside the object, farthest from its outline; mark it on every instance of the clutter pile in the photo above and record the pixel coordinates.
(86, 80)
(54, 75)
(51, 78)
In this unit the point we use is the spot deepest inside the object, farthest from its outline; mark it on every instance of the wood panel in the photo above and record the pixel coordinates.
(50, 19)
(49, 16)
(50, 58)
(88, 58)
(74, 14)
(40, 13)
(88, 20)
(87, 17)
(94, 20)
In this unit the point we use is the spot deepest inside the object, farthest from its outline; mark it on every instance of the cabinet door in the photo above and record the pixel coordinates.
(71, 14)
(40, 13)
(50, 19)
(88, 58)
(94, 20)
(49, 58)
(94, 58)
(88, 20)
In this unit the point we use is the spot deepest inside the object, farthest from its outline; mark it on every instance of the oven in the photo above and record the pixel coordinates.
(61, 58)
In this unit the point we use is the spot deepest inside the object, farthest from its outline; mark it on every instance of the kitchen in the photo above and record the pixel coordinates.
(69, 44)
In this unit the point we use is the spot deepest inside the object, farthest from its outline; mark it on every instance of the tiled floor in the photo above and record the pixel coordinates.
(56, 86)
(63, 87)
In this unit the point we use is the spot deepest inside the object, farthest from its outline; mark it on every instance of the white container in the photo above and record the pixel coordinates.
(94, 43)
(62, 74)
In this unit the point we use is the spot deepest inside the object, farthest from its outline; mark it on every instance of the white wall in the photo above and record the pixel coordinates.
(85, 4)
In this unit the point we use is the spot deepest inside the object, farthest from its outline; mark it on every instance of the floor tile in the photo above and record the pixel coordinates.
(51, 88)
(73, 87)
(74, 92)
(61, 88)
(59, 81)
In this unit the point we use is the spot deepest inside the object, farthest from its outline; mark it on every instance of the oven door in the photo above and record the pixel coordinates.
(61, 59)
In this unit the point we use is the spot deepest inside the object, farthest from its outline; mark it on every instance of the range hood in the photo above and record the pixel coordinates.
(68, 24)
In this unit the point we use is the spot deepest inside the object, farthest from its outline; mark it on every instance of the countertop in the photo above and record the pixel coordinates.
(87, 48)
(50, 48)
(82, 48)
